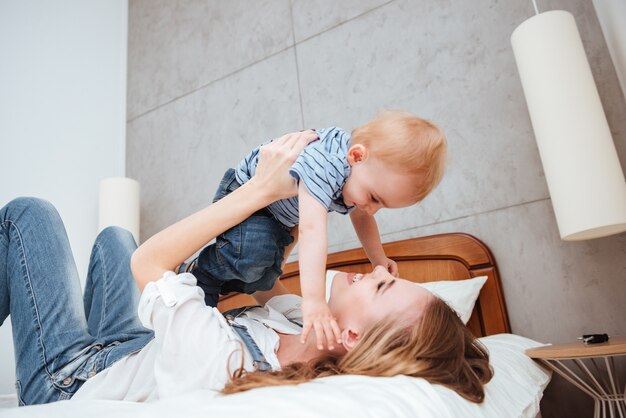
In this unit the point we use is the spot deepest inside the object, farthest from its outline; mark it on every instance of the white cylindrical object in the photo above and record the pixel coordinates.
(119, 204)
(582, 169)
(612, 17)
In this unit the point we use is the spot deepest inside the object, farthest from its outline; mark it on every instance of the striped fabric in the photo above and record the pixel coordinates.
(323, 169)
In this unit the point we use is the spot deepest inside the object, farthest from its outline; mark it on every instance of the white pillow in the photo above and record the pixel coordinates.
(461, 295)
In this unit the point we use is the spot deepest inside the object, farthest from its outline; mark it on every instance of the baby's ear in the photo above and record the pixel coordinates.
(349, 338)
(357, 153)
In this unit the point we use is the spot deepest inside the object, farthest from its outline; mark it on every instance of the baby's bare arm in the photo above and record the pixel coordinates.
(366, 229)
(313, 244)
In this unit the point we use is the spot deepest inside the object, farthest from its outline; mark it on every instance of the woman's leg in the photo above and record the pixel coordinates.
(39, 287)
(111, 294)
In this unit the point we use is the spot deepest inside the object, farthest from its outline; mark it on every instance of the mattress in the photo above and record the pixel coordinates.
(514, 391)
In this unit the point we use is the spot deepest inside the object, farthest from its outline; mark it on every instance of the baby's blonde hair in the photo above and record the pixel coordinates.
(415, 146)
(438, 348)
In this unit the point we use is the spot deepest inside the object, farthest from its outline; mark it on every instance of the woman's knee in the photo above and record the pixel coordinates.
(117, 235)
(33, 206)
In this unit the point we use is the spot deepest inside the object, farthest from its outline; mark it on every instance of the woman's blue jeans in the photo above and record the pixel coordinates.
(61, 338)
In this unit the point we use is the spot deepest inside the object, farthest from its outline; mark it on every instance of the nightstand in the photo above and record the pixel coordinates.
(594, 371)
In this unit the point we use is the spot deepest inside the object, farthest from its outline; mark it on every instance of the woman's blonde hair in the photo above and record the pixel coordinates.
(414, 145)
(438, 348)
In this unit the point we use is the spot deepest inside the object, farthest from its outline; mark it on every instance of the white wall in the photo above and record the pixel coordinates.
(612, 15)
(62, 114)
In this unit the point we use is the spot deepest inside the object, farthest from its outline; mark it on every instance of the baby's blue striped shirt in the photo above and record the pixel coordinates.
(323, 168)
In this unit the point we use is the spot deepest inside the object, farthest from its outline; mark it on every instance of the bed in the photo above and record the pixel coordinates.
(515, 390)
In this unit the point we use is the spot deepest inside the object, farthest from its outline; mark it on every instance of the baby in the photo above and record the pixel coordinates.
(392, 161)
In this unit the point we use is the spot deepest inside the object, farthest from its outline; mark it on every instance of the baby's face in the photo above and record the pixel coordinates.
(373, 185)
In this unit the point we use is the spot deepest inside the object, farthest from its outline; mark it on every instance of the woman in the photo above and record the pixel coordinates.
(389, 326)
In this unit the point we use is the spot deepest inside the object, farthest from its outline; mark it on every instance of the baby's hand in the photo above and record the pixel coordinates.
(390, 265)
(317, 316)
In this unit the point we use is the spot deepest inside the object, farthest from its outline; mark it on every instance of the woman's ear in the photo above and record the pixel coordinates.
(349, 338)
(357, 153)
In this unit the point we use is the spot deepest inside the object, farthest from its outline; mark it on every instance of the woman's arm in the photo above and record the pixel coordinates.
(272, 181)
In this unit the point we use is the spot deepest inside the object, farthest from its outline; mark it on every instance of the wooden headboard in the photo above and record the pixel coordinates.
(433, 258)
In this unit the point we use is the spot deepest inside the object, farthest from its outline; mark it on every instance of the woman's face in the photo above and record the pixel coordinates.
(359, 301)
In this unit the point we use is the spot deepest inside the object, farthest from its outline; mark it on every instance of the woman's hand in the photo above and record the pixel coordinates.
(272, 173)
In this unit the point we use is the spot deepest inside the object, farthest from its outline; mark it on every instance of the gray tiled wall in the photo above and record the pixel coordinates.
(209, 80)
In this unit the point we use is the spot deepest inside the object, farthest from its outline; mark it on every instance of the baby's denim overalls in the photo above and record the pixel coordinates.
(245, 258)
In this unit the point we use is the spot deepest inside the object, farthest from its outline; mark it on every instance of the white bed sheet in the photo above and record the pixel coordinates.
(515, 391)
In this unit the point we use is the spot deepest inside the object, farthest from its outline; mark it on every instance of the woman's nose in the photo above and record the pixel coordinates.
(379, 270)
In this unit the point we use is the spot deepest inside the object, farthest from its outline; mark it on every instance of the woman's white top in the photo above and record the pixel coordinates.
(194, 347)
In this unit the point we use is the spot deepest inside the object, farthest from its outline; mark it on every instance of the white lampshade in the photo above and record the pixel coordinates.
(119, 204)
(582, 169)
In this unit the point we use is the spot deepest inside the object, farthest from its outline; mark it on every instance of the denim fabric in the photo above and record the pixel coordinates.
(245, 258)
(61, 338)
(258, 358)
